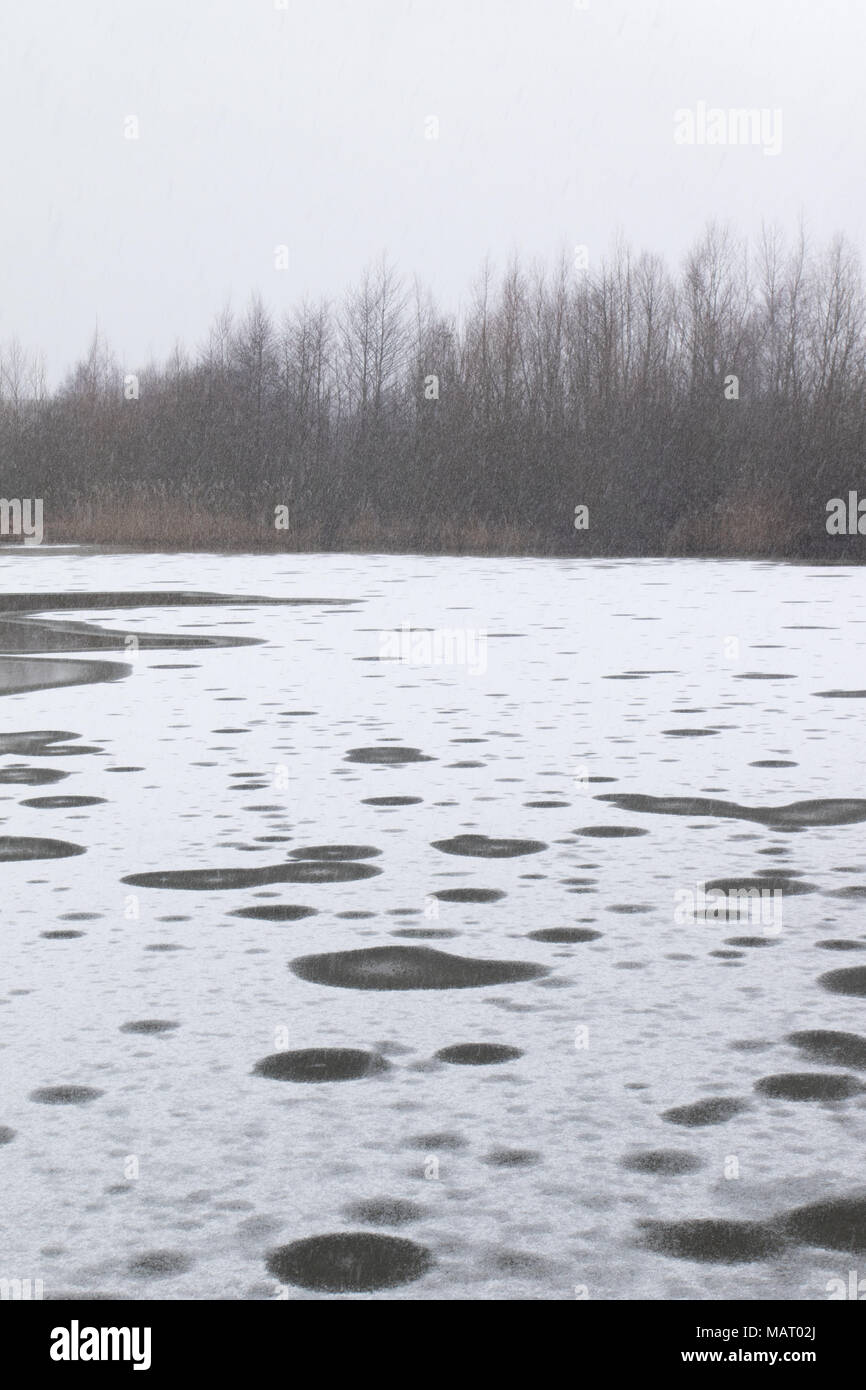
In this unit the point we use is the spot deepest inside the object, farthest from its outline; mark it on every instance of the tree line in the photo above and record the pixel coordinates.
(713, 409)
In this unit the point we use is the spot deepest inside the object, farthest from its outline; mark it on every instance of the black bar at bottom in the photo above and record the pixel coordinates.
(162, 1340)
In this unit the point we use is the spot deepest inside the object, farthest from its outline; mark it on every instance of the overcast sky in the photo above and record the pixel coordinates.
(307, 126)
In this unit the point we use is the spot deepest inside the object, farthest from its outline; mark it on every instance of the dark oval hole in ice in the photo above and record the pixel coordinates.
(564, 935)
(389, 756)
(409, 967)
(349, 1262)
(610, 832)
(667, 1162)
(751, 890)
(425, 933)
(64, 1095)
(725, 1242)
(30, 776)
(809, 1085)
(445, 1140)
(851, 982)
(751, 941)
(836, 1224)
(335, 852)
(7, 1134)
(483, 847)
(478, 1054)
(391, 801)
(149, 1025)
(827, 1045)
(62, 803)
(385, 1211)
(159, 1264)
(215, 880)
(836, 811)
(315, 1064)
(14, 848)
(512, 1158)
(275, 912)
(469, 895)
(714, 1110)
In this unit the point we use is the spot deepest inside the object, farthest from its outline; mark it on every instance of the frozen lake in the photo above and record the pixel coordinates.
(502, 786)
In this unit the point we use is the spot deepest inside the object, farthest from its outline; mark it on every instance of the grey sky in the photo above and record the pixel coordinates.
(305, 126)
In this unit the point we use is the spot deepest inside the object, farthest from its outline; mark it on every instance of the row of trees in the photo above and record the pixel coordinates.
(715, 410)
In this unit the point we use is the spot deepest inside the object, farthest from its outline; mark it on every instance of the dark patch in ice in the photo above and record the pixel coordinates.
(64, 1095)
(518, 1264)
(478, 1054)
(6, 1134)
(14, 848)
(36, 743)
(564, 935)
(689, 733)
(809, 1085)
(668, 1162)
(764, 676)
(442, 1140)
(840, 694)
(62, 803)
(314, 1064)
(349, 1262)
(724, 1242)
(391, 801)
(275, 912)
(213, 880)
(21, 674)
(840, 944)
(773, 762)
(469, 895)
(30, 776)
(387, 755)
(838, 811)
(767, 883)
(512, 1158)
(20, 631)
(335, 852)
(149, 1025)
(610, 832)
(750, 941)
(424, 933)
(836, 1224)
(159, 1264)
(60, 935)
(409, 967)
(385, 1211)
(827, 1045)
(852, 982)
(482, 847)
(714, 1110)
